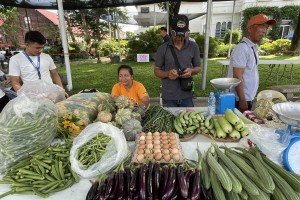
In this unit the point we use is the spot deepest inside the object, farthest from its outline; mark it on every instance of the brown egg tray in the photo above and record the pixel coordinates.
(150, 155)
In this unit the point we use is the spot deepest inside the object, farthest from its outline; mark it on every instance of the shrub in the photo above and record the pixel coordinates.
(213, 45)
(222, 49)
(236, 36)
(147, 42)
(277, 46)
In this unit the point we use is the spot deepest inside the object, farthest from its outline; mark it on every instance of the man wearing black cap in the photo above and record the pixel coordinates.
(174, 94)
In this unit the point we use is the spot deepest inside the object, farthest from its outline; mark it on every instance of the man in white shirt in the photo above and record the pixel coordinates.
(33, 64)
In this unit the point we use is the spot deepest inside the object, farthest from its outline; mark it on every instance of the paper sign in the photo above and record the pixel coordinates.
(142, 57)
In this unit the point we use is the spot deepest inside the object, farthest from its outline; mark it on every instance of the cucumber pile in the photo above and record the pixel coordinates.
(227, 126)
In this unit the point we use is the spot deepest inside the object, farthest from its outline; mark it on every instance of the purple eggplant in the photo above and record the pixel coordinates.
(111, 188)
(97, 196)
(206, 194)
(92, 191)
(164, 178)
(156, 181)
(182, 182)
(170, 185)
(102, 191)
(196, 191)
(134, 181)
(120, 186)
(149, 181)
(142, 182)
(127, 178)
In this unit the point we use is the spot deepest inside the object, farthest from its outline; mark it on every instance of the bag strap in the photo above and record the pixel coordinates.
(175, 57)
(252, 50)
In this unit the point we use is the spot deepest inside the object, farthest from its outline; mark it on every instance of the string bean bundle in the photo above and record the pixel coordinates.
(158, 119)
(92, 151)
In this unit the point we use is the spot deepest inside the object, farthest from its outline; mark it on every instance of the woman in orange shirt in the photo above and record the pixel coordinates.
(130, 88)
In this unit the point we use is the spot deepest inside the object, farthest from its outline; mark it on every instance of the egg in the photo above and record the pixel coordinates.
(166, 151)
(176, 157)
(155, 151)
(172, 134)
(149, 133)
(149, 146)
(141, 146)
(165, 142)
(142, 137)
(149, 137)
(167, 157)
(158, 156)
(142, 142)
(147, 151)
(173, 146)
(148, 141)
(166, 146)
(174, 151)
(164, 137)
(172, 137)
(156, 137)
(140, 157)
(157, 146)
(142, 134)
(156, 141)
(164, 133)
(140, 151)
(156, 133)
(173, 141)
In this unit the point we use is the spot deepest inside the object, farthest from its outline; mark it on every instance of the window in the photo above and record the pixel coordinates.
(218, 30)
(27, 22)
(221, 29)
(144, 9)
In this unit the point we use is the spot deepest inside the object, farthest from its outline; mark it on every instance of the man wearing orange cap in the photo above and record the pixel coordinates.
(244, 61)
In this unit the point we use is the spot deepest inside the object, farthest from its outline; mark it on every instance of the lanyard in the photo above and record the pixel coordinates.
(37, 67)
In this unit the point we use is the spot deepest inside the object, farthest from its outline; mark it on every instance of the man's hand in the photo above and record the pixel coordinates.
(173, 74)
(187, 73)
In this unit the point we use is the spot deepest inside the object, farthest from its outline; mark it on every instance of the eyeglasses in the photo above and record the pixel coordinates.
(183, 34)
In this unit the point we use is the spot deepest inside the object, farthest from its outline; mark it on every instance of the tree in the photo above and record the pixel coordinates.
(295, 45)
(10, 27)
(174, 8)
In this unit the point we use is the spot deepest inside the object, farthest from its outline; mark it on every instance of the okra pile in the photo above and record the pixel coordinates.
(239, 173)
(41, 174)
(151, 181)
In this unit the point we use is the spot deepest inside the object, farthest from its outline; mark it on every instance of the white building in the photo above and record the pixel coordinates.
(221, 17)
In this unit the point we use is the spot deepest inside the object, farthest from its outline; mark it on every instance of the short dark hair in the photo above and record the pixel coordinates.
(35, 36)
(126, 67)
(163, 29)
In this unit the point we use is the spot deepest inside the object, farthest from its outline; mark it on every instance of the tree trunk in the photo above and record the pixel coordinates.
(295, 45)
(69, 27)
(174, 10)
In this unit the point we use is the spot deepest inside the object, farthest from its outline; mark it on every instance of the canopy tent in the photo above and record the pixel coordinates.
(89, 4)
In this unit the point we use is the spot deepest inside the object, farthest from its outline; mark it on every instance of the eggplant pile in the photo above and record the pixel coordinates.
(151, 181)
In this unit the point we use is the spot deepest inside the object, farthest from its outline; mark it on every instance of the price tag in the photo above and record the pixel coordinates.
(142, 57)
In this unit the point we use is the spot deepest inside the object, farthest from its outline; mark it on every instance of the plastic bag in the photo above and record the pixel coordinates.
(83, 105)
(27, 125)
(42, 89)
(268, 140)
(116, 150)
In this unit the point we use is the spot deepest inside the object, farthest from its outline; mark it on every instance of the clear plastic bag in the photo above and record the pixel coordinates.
(116, 150)
(42, 89)
(268, 140)
(27, 125)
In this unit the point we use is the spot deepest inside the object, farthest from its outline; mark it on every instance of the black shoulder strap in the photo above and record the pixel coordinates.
(175, 57)
(252, 50)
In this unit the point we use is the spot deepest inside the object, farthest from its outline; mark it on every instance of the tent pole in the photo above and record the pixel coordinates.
(206, 46)
(118, 32)
(168, 14)
(109, 27)
(154, 18)
(63, 33)
(232, 21)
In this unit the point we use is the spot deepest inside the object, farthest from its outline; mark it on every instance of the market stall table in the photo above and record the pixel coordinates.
(273, 65)
(79, 190)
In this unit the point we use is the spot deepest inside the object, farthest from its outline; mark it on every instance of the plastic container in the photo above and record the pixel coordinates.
(211, 108)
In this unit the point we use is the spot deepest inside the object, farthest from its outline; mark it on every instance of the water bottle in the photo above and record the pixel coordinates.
(211, 104)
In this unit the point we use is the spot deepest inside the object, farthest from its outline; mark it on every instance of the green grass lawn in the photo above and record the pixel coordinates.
(104, 76)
